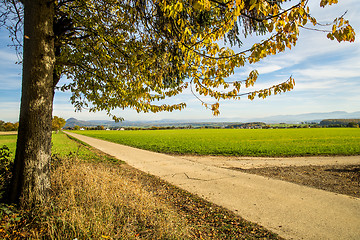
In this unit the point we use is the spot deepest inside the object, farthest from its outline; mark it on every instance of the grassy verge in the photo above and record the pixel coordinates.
(95, 197)
(241, 142)
(10, 142)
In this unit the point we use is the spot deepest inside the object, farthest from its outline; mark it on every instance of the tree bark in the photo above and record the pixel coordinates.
(30, 184)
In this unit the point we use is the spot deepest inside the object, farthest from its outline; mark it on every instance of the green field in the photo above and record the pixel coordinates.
(10, 142)
(62, 146)
(241, 142)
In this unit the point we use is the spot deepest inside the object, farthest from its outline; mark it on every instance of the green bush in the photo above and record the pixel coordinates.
(6, 164)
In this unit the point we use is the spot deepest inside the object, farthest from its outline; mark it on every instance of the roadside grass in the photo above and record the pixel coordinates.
(64, 146)
(61, 147)
(95, 197)
(10, 142)
(241, 142)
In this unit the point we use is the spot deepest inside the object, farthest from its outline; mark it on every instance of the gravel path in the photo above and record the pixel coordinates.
(291, 210)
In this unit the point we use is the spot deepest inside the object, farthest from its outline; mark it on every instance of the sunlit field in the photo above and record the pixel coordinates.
(62, 147)
(10, 142)
(240, 142)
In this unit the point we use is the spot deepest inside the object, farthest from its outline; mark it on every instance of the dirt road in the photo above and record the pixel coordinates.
(293, 211)
(8, 133)
(259, 162)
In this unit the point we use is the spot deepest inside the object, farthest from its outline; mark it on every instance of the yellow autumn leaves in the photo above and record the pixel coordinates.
(135, 54)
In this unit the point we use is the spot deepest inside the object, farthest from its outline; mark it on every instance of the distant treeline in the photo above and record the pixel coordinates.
(8, 126)
(252, 125)
(249, 125)
(340, 122)
(131, 128)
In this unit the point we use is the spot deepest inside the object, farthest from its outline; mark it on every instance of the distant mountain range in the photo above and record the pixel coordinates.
(310, 117)
(307, 117)
(71, 122)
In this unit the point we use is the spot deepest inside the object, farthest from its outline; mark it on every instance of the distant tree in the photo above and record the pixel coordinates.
(58, 123)
(353, 125)
(132, 54)
(2, 125)
(10, 126)
(76, 127)
(339, 122)
(100, 127)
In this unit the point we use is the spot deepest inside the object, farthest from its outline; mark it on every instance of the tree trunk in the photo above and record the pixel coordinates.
(30, 184)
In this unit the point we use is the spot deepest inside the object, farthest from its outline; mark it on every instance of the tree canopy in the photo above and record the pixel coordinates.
(58, 123)
(8, 126)
(135, 53)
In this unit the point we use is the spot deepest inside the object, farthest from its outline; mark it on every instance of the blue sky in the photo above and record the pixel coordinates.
(327, 76)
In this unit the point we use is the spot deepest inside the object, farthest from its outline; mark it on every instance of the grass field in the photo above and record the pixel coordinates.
(62, 146)
(10, 142)
(241, 142)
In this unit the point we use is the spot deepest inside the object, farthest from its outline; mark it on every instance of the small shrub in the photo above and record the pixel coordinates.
(6, 164)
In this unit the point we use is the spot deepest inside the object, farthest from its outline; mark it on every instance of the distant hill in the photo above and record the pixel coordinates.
(309, 117)
(290, 119)
(71, 122)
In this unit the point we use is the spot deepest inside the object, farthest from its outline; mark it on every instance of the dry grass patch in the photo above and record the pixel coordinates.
(97, 201)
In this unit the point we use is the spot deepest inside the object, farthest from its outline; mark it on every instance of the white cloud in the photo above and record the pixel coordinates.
(8, 57)
(9, 111)
(10, 81)
(327, 72)
(265, 68)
